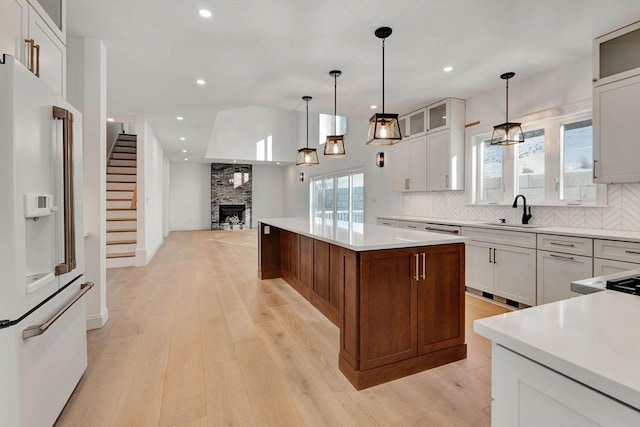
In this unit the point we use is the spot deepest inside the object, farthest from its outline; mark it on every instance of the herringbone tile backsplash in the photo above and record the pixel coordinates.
(622, 212)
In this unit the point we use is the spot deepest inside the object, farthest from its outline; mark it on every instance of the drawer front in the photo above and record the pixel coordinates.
(512, 238)
(411, 225)
(616, 250)
(565, 244)
(602, 267)
(440, 228)
(388, 222)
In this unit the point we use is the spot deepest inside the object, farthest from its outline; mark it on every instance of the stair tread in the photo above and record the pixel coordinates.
(122, 255)
(126, 199)
(123, 230)
(128, 191)
(121, 209)
(121, 242)
(121, 219)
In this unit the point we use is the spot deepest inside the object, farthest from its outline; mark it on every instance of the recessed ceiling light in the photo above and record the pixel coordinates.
(186, 160)
(235, 161)
(448, 69)
(205, 13)
(182, 138)
(184, 151)
(201, 82)
(373, 107)
(110, 119)
(179, 118)
(277, 163)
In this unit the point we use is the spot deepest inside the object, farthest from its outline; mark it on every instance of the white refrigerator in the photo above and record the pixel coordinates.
(43, 351)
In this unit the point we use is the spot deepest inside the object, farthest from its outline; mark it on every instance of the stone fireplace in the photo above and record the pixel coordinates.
(231, 194)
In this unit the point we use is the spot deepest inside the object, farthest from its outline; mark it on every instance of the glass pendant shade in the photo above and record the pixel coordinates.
(334, 146)
(384, 129)
(507, 133)
(307, 157)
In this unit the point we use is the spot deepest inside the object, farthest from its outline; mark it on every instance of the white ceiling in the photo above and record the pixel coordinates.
(272, 52)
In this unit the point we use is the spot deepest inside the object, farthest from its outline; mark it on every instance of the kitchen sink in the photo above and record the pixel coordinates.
(506, 224)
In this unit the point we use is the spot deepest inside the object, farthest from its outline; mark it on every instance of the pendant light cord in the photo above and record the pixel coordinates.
(507, 109)
(335, 100)
(383, 76)
(307, 123)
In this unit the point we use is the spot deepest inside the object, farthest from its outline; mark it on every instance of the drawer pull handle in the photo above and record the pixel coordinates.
(632, 252)
(411, 226)
(563, 257)
(566, 245)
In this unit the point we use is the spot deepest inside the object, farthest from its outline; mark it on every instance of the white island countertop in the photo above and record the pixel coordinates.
(363, 237)
(593, 339)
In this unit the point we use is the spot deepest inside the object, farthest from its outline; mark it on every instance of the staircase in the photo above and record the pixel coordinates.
(121, 202)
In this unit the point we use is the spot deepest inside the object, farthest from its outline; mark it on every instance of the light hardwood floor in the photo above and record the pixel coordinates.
(196, 339)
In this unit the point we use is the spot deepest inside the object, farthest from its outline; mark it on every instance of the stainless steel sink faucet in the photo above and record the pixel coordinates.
(525, 216)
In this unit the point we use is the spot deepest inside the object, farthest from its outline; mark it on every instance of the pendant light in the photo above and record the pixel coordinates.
(507, 133)
(334, 146)
(384, 129)
(307, 156)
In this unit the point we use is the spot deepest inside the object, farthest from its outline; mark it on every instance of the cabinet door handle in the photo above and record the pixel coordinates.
(406, 184)
(566, 245)
(490, 261)
(594, 168)
(31, 53)
(562, 257)
(632, 252)
(494, 256)
(37, 49)
(446, 179)
(424, 266)
(417, 268)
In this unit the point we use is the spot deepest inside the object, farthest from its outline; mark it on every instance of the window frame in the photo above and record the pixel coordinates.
(552, 121)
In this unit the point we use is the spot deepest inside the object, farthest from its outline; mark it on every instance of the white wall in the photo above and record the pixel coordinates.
(150, 206)
(267, 193)
(379, 199)
(190, 196)
(166, 196)
(87, 91)
(570, 84)
(236, 132)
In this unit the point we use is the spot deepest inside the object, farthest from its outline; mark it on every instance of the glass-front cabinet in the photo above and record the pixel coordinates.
(413, 124)
(616, 55)
(438, 116)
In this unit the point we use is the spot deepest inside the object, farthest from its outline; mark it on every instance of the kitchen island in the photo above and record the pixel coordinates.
(397, 295)
(574, 362)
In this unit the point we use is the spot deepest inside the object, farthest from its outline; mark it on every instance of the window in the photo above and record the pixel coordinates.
(577, 161)
(264, 149)
(554, 166)
(338, 200)
(327, 127)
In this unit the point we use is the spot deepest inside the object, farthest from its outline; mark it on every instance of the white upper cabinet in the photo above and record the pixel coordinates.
(414, 124)
(409, 159)
(14, 27)
(616, 55)
(616, 106)
(34, 34)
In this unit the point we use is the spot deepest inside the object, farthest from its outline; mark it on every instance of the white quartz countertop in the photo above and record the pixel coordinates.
(594, 233)
(599, 283)
(363, 237)
(594, 339)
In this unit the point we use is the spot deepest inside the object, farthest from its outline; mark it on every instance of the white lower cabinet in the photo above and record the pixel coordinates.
(602, 267)
(506, 271)
(388, 222)
(528, 394)
(556, 271)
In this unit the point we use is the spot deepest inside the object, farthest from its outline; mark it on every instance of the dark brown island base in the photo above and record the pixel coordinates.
(397, 295)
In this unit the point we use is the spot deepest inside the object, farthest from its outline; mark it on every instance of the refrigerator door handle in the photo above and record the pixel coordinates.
(35, 330)
(69, 217)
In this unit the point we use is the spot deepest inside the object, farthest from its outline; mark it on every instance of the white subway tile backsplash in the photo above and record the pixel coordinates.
(622, 213)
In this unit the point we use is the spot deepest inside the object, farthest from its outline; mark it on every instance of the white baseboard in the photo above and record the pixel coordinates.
(97, 321)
